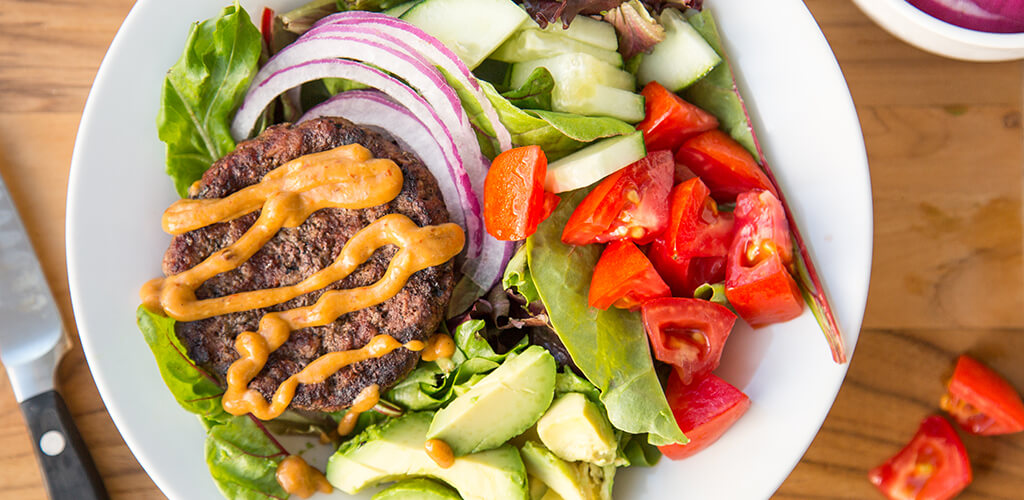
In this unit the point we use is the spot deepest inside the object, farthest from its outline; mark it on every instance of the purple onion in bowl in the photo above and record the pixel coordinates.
(992, 16)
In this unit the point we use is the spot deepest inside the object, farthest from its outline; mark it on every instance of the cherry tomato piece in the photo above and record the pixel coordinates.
(685, 275)
(933, 466)
(623, 277)
(632, 203)
(670, 120)
(688, 334)
(514, 198)
(981, 401)
(723, 164)
(267, 27)
(757, 282)
(703, 410)
(695, 227)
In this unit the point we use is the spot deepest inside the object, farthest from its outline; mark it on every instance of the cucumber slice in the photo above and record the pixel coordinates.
(575, 67)
(585, 29)
(594, 163)
(531, 44)
(592, 99)
(400, 9)
(682, 58)
(471, 28)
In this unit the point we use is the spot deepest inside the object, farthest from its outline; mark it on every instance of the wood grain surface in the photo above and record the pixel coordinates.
(946, 149)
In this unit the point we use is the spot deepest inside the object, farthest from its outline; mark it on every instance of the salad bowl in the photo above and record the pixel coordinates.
(806, 125)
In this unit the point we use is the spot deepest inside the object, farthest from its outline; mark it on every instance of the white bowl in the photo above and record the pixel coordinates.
(807, 125)
(921, 30)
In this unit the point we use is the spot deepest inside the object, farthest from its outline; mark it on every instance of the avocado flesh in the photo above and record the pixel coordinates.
(569, 480)
(394, 450)
(537, 487)
(417, 489)
(575, 429)
(500, 406)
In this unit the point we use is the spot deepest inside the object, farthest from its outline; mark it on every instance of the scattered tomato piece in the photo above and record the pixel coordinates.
(695, 226)
(723, 164)
(670, 120)
(267, 26)
(623, 277)
(688, 334)
(514, 198)
(757, 282)
(933, 466)
(703, 410)
(981, 401)
(630, 204)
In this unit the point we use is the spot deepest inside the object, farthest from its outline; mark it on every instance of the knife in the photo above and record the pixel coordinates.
(32, 341)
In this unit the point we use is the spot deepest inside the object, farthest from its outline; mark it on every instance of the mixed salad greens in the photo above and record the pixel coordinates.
(523, 316)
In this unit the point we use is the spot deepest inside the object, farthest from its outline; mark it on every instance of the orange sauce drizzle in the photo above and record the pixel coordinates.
(439, 345)
(364, 402)
(440, 453)
(298, 478)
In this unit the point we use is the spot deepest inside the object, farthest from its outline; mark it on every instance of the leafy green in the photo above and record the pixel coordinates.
(535, 93)
(202, 91)
(517, 276)
(566, 381)
(374, 5)
(713, 292)
(717, 92)
(243, 460)
(638, 451)
(197, 392)
(583, 128)
(609, 347)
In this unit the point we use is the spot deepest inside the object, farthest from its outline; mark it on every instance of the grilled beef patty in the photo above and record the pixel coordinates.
(295, 254)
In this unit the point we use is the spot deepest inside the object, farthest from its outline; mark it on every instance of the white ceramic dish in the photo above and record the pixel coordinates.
(921, 30)
(806, 123)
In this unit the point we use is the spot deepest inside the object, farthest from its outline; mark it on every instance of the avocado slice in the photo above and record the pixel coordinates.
(569, 480)
(519, 391)
(394, 450)
(575, 429)
(417, 489)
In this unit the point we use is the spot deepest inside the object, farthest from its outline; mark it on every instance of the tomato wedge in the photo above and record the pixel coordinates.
(623, 277)
(631, 204)
(685, 275)
(670, 120)
(514, 198)
(933, 466)
(267, 27)
(703, 410)
(757, 282)
(695, 227)
(981, 401)
(688, 334)
(723, 164)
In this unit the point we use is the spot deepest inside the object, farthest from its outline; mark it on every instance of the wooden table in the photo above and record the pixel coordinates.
(945, 144)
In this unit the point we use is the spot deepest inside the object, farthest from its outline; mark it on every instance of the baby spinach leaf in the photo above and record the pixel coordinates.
(202, 91)
(535, 93)
(517, 275)
(610, 347)
(717, 92)
(243, 460)
(195, 390)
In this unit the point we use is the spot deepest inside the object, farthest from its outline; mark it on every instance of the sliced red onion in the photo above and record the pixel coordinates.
(373, 108)
(262, 92)
(429, 47)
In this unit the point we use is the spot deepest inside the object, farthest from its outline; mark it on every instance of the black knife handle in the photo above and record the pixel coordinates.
(67, 467)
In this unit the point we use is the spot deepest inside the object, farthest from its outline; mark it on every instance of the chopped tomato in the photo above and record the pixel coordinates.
(703, 410)
(757, 283)
(670, 120)
(623, 277)
(981, 401)
(631, 204)
(695, 227)
(267, 26)
(685, 275)
(933, 466)
(723, 164)
(514, 198)
(688, 334)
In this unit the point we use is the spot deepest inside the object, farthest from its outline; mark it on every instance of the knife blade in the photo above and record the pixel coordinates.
(32, 342)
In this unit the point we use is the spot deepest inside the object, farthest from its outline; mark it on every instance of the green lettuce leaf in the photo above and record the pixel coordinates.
(517, 276)
(202, 91)
(243, 460)
(713, 292)
(637, 451)
(610, 347)
(535, 93)
(195, 390)
(717, 92)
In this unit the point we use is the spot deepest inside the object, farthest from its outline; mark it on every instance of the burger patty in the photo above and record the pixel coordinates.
(295, 254)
